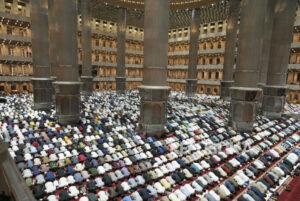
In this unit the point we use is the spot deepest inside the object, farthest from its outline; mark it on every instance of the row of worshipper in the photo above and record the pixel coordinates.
(272, 179)
(228, 188)
(105, 140)
(165, 170)
(292, 109)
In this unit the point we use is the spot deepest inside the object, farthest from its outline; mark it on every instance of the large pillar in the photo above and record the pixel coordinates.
(15, 9)
(40, 49)
(67, 85)
(275, 88)
(86, 77)
(27, 11)
(52, 43)
(191, 82)
(231, 37)
(121, 38)
(154, 92)
(268, 28)
(2, 5)
(244, 93)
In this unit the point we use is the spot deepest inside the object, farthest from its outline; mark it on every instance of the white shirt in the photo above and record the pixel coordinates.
(71, 179)
(50, 187)
(164, 169)
(239, 180)
(216, 196)
(101, 169)
(102, 196)
(180, 195)
(158, 173)
(63, 182)
(52, 198)
(74, 192)
(79, 167)
(159, 187)
(125, 186)
(27, 157)
(27, 173)
(189, 188)
(213, 177)
(84, 198)
(53, 157)
(175, 165)
(173, 197)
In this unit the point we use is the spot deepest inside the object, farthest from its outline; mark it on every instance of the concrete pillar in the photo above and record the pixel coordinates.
(52, 44)
(40, 49)
(27, 11)
(2, 5)
(268, 27)
(275, 88)
(295, 77)
(245, 93)
(67, 85)
(86, 77)
(154, 92)
(191, 82)
(121, 39)
(15, 7)
(231, 37)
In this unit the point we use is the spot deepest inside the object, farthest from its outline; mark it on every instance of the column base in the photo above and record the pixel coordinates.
(120, 85)
(53, 79)
(153, 109)
(273, 101)
(225, 90)
(42, 93)
(67, 102)
(244, 107)
(86, 88)
(191, 87)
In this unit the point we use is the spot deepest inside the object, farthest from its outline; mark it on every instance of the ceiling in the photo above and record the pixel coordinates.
(180, 11)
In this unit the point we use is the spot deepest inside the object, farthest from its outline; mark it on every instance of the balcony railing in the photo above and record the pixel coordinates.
(11, 180)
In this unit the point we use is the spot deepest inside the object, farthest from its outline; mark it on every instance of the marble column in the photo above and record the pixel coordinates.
(52, 44)
(67, 85)
(268, 28)
(40, 48)
(154, 92)
(86, 77)
(245, 93)
(275, 88)
(231, 38)
(191, 81)
(121, 39)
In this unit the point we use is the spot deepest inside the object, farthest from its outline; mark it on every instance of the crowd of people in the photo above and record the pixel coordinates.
(103, 158)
